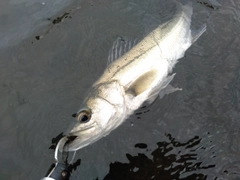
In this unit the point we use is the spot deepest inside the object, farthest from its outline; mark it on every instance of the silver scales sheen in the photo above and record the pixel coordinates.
(137, 77)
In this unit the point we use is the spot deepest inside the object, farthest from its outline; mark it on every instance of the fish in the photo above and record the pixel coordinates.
(139, 76)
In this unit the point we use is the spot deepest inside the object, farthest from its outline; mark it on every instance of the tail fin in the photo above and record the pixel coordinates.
(187, 9)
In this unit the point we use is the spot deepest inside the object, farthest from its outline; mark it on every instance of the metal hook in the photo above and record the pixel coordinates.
(64, 150)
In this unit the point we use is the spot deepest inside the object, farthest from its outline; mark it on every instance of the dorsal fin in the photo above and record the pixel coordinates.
(120, 46)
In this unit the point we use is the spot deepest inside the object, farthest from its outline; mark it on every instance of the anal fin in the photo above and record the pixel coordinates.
(197, 33)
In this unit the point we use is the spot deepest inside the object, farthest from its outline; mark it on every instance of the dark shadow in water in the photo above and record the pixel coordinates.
(54, 22)
(55, 141)
(60, 18)
(207, 5)
(164, 165)
(57, 20)
(75, 164)
(171, 159)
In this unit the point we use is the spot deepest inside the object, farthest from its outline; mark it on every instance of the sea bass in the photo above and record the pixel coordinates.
(138, 76)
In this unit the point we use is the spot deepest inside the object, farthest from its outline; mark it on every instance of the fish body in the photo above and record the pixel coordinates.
(136, 77)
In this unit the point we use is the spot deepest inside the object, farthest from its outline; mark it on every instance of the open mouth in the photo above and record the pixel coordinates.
(63, 147)
(68, 141)
(71, 141)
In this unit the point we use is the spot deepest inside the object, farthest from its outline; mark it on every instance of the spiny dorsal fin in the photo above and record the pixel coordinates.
(120, 47)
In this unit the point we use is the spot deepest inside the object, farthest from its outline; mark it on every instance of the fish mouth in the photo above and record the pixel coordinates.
(72, 143)
(75, 140)
(66, 142)
(73, 133)
(62, 146)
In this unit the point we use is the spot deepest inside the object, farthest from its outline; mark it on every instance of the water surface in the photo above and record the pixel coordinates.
(47, 66)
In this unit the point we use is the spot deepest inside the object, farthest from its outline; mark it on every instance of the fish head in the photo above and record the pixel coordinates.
(97, 119)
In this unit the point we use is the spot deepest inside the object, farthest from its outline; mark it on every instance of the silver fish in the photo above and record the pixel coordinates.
(138, 76)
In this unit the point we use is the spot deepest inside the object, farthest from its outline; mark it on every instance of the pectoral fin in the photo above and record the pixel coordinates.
(147, 83)
(167, 90)
(162, 89)
(142, 83)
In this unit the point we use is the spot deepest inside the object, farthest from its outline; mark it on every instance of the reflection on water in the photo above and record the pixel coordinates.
(164, 163)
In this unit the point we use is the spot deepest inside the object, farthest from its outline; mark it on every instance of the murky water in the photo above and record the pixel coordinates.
(52, 52)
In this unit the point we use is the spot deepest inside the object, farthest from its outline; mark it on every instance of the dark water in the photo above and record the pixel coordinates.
(51, 53)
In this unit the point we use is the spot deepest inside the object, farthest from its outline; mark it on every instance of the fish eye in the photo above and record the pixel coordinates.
(84, 116)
